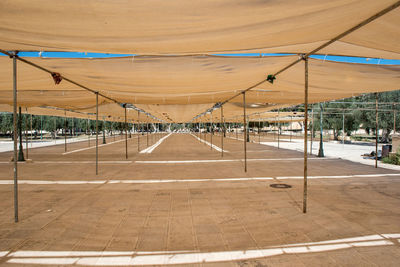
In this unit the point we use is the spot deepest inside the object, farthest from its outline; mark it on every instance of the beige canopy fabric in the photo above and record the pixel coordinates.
(207, 26)
(107, 112)
(177, 88)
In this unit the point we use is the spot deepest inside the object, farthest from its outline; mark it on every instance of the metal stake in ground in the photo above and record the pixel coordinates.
(222, 134)
(126, 135)
(245, 131)
(377, 130)
(15, 137)
(305, 132)
(97, 133)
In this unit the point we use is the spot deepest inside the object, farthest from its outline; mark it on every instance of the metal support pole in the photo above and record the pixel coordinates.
(31, 131)
(279, 126)
(104, 131)
(65, 131)
(126, 136)
(41, 127)
(55, 130)
(211, 131)
(21, 150)
(97, 133)
(26, 136)
(321, 141)
(147, 134)
(138, 134)
(305, 133)
(15, 138)
(343, 129)
(259, 132)
(245, 131)
(312, 130)
(377, 130)
(88, 131)
(222, 133)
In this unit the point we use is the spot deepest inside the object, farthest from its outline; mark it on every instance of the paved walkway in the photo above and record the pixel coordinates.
(195, 213)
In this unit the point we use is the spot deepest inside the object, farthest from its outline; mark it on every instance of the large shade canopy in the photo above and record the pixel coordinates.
(207, 26)
(173, 75)
(177, 88)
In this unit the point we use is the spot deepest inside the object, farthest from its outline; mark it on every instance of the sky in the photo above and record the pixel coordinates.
(323, 57)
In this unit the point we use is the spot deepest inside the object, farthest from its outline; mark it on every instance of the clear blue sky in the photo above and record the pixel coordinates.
(101, 55)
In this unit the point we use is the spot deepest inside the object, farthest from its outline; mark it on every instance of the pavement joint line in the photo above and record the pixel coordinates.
(129, 258)
(154, 146)
(156, 181)
(209, 144)
(87, 148)
(217, 160)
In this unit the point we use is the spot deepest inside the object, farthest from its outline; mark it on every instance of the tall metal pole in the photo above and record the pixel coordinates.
(259, 132)
(31, 131)
(147, 134)
(21, 150)
(15, 138)
(126, 136)
(245, 131)
(65, 131)
(377, 130)
(212, 131)
(138, 135)
(97, 133)
(88, 131)
(26, 136)
(321, 141)
(305, 132)
(343, 129)
(222, 132)
(279, 126)
(104, 130)
(312, 130)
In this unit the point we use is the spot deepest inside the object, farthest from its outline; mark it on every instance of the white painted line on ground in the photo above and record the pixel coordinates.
(151, 148)
(157, 181)
(339, 176)
(129, 258)
(217, 160)
(73, 162)
(209, 144)
(87, 148)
